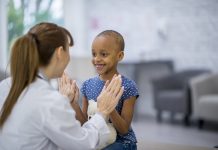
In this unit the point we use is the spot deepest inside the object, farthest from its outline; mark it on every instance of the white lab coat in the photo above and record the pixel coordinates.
(43, 119)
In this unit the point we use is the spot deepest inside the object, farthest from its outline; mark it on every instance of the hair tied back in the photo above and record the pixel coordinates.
(34, 37)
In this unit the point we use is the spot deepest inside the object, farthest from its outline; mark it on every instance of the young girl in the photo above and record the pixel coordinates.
(107, 51)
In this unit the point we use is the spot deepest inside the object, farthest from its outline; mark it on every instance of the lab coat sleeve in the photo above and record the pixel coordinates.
(62, 128)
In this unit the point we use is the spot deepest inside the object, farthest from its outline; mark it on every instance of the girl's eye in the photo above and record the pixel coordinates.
(93, 54)
(104, 54)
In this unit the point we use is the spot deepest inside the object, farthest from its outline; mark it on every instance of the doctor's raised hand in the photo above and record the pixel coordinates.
(68, 88)
(110, 95)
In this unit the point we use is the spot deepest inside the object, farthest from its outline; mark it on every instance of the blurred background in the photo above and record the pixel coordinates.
(171, 52)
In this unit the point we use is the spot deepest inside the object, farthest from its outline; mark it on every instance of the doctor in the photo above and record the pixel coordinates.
(34, 116)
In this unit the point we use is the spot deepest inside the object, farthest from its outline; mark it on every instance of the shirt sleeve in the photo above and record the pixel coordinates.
(62, 128)
(83, 88)
(130, 90)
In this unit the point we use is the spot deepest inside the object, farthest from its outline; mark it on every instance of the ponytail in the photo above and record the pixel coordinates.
(24, 68)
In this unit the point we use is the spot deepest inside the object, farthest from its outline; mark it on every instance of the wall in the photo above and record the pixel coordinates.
(185, 31)
(3, 35)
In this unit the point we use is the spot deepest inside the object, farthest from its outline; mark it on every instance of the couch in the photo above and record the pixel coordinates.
(205, 98)
(171, 93)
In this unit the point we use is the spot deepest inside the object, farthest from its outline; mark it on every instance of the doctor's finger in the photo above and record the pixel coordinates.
(64, 78)
(67, 79)
(116, 99)
(106, 83)
(119, 94)
(116, 84)
(110, 85)
(76, 97)
(61, 86)
(116, 90)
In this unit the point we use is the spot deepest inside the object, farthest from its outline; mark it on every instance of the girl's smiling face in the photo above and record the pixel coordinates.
(106, 55)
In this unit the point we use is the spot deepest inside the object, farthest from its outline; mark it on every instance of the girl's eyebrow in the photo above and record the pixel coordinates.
(101, 50)
(104, 50)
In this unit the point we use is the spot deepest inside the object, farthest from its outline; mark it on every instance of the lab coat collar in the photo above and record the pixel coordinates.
(43, 76)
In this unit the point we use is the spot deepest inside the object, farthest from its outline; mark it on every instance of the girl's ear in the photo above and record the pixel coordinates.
(120, 55)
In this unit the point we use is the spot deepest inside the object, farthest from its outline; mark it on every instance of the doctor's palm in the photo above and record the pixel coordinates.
(110, 96)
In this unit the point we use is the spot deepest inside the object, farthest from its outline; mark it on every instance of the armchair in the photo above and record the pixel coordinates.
(205, 98)
(172, 93)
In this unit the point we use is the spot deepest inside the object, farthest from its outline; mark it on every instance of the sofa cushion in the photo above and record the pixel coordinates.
(207, 107)
(173, 100)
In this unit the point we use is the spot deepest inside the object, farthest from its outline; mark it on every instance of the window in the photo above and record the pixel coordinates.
(22, 14)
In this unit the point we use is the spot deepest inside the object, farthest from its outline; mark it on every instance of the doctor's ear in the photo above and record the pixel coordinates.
(59, 50)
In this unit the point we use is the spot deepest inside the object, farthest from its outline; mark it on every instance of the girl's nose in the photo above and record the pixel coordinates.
(97, 58)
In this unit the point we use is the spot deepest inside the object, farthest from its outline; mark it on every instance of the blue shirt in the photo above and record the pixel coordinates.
(92, 87)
